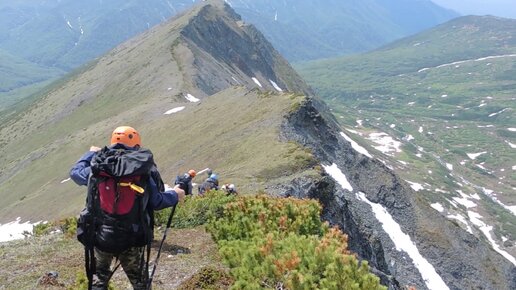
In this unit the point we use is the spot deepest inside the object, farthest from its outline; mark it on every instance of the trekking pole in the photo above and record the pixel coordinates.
(202, 171)
(169, 222)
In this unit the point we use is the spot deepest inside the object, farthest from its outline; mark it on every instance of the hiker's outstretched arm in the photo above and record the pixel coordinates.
(160, 200)
(81, 170)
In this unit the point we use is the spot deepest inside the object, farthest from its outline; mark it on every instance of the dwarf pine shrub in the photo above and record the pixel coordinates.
(281, 243)
(195, 210)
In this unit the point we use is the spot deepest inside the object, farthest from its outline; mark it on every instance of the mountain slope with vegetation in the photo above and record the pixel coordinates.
(446, 98)
(207, 90)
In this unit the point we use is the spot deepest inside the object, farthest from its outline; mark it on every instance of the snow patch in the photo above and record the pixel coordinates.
(415, 186)
(404, 243)
(355, 146)
(420, 129)
(354, 132)
(510, 144)
(14, 230)
(235, 80)
(360, 122)
(457, 63)
(386, 143)
(462, 220)
(497, 113)
(512, 129)
(473, 156)
(256, 81)
(490, 193)
(409, 137)
(275, 85)
(191, 98)
(174, 110)
(449, 166)
(337, 174)
(475, 218)
(464, 200)
(437, 206)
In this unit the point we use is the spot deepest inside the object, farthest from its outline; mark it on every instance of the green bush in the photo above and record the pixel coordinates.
(81, 282)
(248, 216)
(208, 278)
(278, 243)
(42, 229)
(195, 210)
(69, 226)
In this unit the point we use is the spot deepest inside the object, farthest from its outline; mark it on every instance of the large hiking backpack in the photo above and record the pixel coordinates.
(117, 216)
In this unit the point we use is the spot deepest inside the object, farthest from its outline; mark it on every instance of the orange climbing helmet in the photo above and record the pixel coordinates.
(126, 135)
(192, 173)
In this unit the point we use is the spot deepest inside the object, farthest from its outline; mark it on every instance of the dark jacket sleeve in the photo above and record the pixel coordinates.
(160, 200)
(81, 170)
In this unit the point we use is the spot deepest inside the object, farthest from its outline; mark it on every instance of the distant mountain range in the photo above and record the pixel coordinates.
(446, 98)
(45, 39)
(305, 29)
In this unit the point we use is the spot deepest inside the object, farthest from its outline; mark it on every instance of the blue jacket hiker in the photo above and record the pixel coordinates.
(124, 189)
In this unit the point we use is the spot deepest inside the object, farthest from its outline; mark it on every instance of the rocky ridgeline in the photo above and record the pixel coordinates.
(459, 258)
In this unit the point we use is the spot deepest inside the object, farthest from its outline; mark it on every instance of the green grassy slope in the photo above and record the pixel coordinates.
(444, 93)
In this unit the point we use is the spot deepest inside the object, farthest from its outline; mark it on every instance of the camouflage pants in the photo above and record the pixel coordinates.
(130, 260)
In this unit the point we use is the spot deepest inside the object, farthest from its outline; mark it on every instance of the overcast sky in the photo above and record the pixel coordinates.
(502, 8)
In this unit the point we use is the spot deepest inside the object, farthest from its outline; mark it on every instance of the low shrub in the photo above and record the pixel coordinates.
(281, 243)
(195, 210)
(208, 278)
(42, 229)
(81, 282)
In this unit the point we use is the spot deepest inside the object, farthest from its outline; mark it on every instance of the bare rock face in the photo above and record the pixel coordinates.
(229, 52)
(459, 258)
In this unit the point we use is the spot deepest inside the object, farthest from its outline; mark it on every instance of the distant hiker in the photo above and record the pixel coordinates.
(185, 181)
(124, 189)
(229, 188)
(210, 183)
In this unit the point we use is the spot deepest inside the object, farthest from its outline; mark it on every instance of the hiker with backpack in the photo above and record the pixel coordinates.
(124, 189)
(185, 181)
(210, 183)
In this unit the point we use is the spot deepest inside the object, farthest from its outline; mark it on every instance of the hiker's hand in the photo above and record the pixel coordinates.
(180, 192)
(95, 148)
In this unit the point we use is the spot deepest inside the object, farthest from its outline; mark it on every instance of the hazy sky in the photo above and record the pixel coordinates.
(503, 8)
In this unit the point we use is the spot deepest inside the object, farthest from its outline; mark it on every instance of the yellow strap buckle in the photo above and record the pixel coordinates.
(132, 186)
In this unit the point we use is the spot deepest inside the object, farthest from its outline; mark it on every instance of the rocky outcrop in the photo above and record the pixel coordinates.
(459, 258)
(229, 52)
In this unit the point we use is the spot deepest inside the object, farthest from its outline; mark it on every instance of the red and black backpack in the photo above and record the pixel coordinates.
(117, 216)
